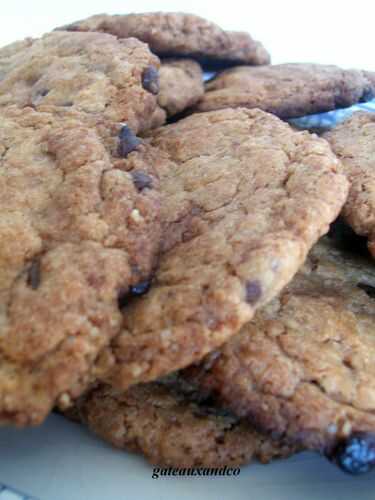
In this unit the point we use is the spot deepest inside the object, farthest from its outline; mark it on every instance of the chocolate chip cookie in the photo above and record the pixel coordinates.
(173, 428)
(93, 73)
(79, 227)
(354, 143)
(244, 197)
(177, 34)
(181, 85)
(303, 368)
(288, 90)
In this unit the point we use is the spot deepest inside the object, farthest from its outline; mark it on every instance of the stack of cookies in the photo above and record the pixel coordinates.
(164, 274)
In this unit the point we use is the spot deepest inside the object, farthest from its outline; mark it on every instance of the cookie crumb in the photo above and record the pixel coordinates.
(64, 401)
(346, 428)
(135, 215)
(136, 370)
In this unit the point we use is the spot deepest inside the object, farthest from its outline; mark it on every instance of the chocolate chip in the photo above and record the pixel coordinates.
(33, 275)
(355, 455)
(253, 291)
(141, 180)
(367, 94)
(140, 288)
(125, 295)
(128, 141)
(150, 80)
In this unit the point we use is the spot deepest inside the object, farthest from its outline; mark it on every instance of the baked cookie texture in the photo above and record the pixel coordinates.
(171, 427)
(10, 50)
(353, 141)
(288, 90)
(178, 34)
(181, 85)
(79, 228)
(303, 368)
(92, 73)
(244, 197)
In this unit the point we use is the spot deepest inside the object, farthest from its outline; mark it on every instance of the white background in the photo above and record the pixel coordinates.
(326, 31)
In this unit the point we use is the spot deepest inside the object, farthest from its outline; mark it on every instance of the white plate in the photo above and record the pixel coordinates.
(62, 461)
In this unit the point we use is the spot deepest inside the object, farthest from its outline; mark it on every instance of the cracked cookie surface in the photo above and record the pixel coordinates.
(303, 368)
(94, 73)
(173, 428)
(288, 90)
(244, 197)
(78, 227)
(353, 141)
(177, 34)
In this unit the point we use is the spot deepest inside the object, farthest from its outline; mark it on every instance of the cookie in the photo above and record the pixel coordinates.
(353, 141)
(303, 368)
(10, 50)
(177, 34)
(288, 90)
(244, 197)
(174, 428)
(181, 85)
(79, 228)
(92, 73)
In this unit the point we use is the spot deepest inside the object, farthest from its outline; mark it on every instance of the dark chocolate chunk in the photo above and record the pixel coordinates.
(356, 455)
(141, 180)
(128, 141)
(33, 275)
(140, 288)
(150, 80)
(253, 291)
(126, 295)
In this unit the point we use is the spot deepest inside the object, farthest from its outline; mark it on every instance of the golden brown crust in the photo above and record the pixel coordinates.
(287, 90)
(303, 367)
(93, 73)
(181, 85)
(172, 429)
(76, 230)
(244, 199)
(178, 34)
(354, 143)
